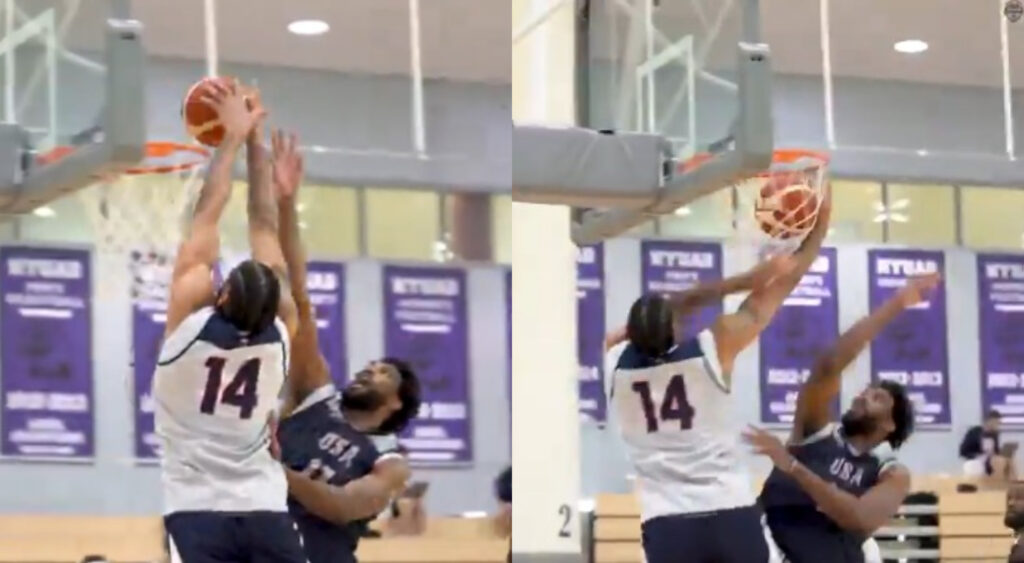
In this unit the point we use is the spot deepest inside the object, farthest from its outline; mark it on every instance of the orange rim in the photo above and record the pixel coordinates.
(780, 156)
(155, 149)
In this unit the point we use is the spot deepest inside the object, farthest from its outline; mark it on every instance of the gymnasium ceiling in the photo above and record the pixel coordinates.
(461, 39)
(469, 39)
(963, 36)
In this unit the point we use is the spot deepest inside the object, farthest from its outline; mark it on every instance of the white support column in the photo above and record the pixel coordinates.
(1004, 42)
(210, 28)
(419, 139)
(545, 419)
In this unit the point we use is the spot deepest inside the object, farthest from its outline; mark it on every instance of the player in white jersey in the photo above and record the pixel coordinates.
(671, 402)
(222, 367)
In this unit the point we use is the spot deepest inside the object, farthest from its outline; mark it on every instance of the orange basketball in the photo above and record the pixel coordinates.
(787, 206)
(201, 120)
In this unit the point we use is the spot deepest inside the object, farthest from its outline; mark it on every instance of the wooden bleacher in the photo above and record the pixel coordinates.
(136, 539)
(970, 525)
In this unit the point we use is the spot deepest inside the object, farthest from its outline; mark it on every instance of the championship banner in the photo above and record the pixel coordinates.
(46, 350)
(806, 325)
(151, 279)
(590, 331)
(913, 349)
(674, 266)
(325, 282)
(1001, 330)
(425, 324)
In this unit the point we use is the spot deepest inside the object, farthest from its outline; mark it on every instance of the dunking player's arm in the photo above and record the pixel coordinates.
(263, 220)
(735, 331)
(368, 495)
(873, 509)
(192, 282)
(705, 293)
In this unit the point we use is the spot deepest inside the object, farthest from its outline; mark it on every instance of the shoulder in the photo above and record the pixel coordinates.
(828, 432)
(188, 332)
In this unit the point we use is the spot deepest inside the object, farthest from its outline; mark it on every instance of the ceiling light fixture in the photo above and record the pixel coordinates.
(910, 46)
(309, 27)
(44, 212)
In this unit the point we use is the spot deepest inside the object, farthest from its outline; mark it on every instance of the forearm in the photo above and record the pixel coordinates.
(840, 506)
(216, 190)
(263, 215)
(354, 501)
(291, 246)
(707, 293)
(856, 338)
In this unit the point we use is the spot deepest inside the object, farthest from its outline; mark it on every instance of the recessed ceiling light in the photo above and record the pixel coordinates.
(308, 27)
(910, 46)
(44, 212)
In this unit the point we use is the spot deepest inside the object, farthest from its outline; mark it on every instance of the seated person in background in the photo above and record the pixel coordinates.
(1014, 519)
(503, 489)
(408, 515)
(979, 445)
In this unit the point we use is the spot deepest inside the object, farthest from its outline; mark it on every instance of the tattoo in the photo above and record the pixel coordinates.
(261, 205)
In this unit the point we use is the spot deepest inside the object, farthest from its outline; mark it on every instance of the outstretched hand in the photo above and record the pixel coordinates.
(287, 164)
(233, 109)
(918, 288)
(767, 444)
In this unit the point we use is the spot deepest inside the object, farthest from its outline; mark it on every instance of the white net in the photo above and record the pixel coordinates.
(776, 210)
(138, 220)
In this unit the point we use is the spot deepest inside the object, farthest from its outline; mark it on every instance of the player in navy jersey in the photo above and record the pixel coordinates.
(835, 484)
(338, 448)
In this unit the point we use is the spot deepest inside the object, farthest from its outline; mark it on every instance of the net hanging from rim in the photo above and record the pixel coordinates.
(138, 218)
(775, 209)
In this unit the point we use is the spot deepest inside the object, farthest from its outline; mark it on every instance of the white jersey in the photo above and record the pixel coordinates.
(677, 421)
(213, 391)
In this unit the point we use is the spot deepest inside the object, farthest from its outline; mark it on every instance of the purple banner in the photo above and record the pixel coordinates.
(325, 282)
(425, 324)
(590, 331)
(46, 354)
(913, 349)
(151, 277)
(1001, 328)
(805, 326)
(673, 266)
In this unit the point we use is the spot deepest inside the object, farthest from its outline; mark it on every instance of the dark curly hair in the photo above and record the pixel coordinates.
(902, 413)
(408, 394)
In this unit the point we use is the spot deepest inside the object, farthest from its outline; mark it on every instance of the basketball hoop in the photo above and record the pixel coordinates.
(141, 211)
(805, 169)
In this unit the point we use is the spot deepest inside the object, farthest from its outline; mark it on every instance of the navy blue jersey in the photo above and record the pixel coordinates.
(795, 521)
(316, 439)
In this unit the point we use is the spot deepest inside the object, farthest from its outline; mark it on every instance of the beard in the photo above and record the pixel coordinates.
(361, 397)
(857, 425)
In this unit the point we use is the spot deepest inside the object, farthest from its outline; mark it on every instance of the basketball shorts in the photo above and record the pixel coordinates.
(233, 537)
(736, 535)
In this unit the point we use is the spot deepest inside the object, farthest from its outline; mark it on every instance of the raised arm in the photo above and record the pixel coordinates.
(263, 219)
(191, 282)
(706, 293)
(308, 370)
(735, 331)
(812, 404)
(356, 500)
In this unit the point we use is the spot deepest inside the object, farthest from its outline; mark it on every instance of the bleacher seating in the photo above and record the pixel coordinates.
(970, 525)
(135, 539)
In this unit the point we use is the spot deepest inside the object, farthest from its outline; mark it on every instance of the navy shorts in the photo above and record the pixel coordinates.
(233, 537)
(724, 536)
(811, 539)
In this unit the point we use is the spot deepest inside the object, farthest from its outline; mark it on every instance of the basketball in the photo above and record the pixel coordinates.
(786, 206)
(201, 120)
